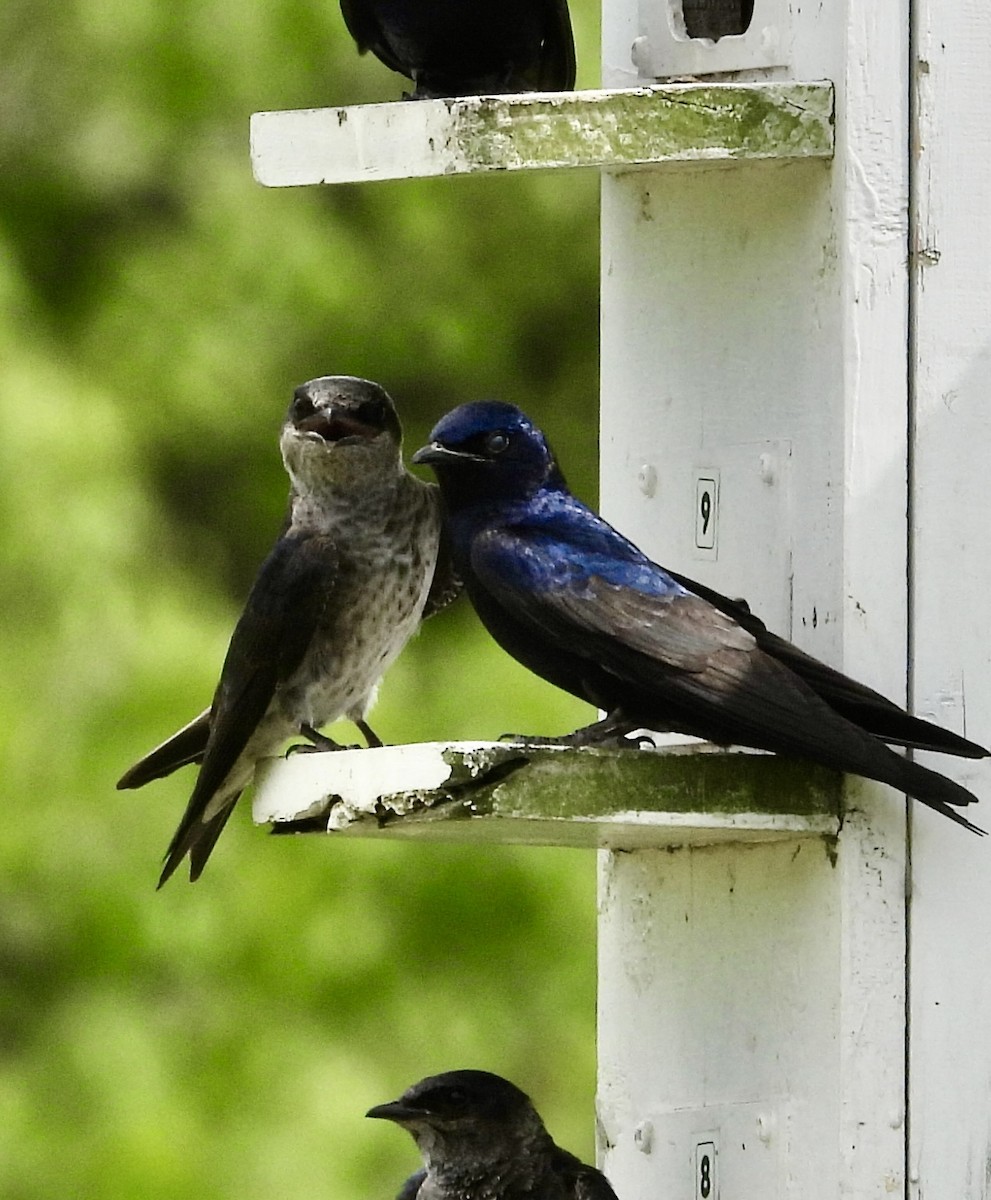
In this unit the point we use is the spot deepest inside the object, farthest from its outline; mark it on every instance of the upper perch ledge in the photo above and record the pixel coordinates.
(616, 130)
(513, 792)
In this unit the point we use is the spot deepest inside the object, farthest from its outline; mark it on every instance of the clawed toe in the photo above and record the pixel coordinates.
(532, 740)
(320, 743)
(628, 741)
(326, 745)
(614, 732)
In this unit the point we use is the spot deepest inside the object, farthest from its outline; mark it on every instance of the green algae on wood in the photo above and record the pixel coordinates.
(512, 792)
(611, 130)
(642, 126)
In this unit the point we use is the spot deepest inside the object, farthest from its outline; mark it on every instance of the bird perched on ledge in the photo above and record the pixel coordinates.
(581, 606)
(482, 1139)
(468, 47)
(343, 589)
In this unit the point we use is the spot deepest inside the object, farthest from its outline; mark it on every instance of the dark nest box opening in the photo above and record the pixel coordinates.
(717, 19)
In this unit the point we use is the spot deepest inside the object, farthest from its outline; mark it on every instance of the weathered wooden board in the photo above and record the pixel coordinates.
(675, 123)
(512, 792)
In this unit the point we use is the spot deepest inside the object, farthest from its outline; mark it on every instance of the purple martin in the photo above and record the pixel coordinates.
(468, 47)
(577, 603)
(353, 572)
(482, 1139)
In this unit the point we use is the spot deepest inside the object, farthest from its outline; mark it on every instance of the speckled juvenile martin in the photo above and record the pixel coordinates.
(343, 589)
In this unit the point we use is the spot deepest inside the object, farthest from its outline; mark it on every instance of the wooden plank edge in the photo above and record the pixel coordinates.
(618, 129)
(514, 792)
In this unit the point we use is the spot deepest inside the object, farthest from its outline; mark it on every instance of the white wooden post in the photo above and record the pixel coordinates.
(780, 389)
(950, 920)
(756, 350)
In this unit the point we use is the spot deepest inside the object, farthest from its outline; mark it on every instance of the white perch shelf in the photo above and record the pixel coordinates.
(513, 792)
(618, 129)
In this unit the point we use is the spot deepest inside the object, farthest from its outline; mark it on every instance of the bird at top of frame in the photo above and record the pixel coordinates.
(468, 47)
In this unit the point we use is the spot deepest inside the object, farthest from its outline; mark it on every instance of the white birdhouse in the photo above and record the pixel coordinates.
(796, 288)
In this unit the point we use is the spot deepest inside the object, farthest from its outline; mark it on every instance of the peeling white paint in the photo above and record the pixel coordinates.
(546, 795)
(298, 786)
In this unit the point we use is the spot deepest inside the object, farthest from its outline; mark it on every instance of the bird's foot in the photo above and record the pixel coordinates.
(611, 733)
(323, 748)
(534, 740)
(628, 741)
(319, 743)
(372, 739)
(613, 741)
(420, 90)
(303, 748)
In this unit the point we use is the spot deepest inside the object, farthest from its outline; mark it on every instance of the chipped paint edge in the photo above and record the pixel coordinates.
(620, 129)
(514, 792)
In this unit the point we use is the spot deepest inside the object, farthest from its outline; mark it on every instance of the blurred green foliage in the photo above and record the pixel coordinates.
(156, 309)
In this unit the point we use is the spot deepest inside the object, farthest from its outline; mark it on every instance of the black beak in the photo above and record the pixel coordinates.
(395, 1110)
(435, 454)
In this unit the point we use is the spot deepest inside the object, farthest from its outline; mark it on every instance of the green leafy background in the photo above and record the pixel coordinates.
(156, 309)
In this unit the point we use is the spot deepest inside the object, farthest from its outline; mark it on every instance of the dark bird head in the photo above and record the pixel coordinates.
(339, 428)
(488, 450)
(467, 1119)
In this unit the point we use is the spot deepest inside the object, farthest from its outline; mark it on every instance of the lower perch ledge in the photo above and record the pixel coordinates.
(550, 795)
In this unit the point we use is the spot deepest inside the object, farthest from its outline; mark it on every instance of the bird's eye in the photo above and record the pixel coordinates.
(457, 1097)
(370, 413)
(495, 443)
(302, 406)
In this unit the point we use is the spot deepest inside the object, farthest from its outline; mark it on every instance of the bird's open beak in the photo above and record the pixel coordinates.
(435, 453)
(395, 1110)
(336, 425)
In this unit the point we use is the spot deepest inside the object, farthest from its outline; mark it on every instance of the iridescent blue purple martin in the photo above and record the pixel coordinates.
(572, 599)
